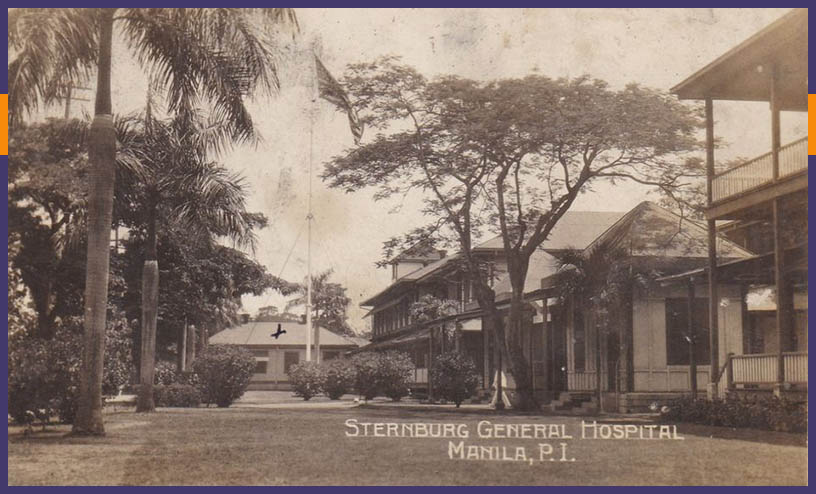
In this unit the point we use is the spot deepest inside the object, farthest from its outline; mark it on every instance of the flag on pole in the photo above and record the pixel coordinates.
(331, 90)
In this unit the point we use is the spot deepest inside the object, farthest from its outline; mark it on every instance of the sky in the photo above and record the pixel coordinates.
(655, 48)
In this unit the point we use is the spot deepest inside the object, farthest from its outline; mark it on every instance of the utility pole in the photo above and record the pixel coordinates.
(69, 96)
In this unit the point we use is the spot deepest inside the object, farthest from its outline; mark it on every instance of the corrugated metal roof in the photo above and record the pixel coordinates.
(258, 333)
(574, 231)
(541, 266)
(650, 230)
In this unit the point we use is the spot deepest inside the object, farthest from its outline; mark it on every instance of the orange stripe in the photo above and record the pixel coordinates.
(4, 135)
(811, 124)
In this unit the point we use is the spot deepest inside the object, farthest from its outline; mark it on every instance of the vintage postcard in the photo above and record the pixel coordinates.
(407, 246)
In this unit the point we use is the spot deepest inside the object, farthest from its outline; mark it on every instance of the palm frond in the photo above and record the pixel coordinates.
(218, 55)
(208, 199)
(52, 49)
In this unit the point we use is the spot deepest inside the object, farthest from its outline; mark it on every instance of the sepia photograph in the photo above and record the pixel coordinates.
(419, 247)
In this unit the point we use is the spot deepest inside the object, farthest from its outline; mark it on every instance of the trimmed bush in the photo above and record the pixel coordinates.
(119, 368)
(306, 379)
(776, 414)
(166, 373)
(454, 377)
(366, 372)
(223, 373)
(176, 395)
(382, 374)
(338, 377)
(43, 377)
(394, 374)
(43, 374)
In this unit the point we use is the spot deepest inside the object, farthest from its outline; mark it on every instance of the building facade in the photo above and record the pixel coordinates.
(761, 203)
(274, 355)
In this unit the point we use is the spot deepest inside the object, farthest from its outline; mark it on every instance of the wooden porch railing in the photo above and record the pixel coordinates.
(793, 157)
(762, 368)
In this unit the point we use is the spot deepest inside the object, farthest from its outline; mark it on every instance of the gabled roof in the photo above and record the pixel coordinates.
(258, 333)
(418, 253)
(649, 230)
(542, 265)
(743, 73)
(574, 231)
(407, 280)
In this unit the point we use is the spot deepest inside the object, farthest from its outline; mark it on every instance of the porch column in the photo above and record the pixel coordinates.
(713, 292)
(781, 322)
(430, 362)
(776, 139)
(545, 350)
(781, 299)
(486, 348)
(692, 343)
(629, 342)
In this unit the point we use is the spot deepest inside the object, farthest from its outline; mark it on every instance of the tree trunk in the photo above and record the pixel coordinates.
(191, 346)
(101, 157)
(518, 365)
(150, 310)
(44, 304)
(205, 340)
(181, 347)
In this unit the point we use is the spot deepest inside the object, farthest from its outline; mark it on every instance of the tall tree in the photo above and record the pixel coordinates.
(510, 156)
(48, 168)
(179, 184)
(215, 54)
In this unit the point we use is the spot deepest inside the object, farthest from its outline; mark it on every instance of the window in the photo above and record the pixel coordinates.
(290, 359)
(677, 342)
(578, 340)
(261, 360)
(260, 367)
(330, 355)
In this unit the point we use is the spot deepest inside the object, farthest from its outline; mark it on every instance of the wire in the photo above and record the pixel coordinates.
(285, 262)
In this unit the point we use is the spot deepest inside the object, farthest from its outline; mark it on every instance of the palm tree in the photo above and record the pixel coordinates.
(179, 186)
(602, 277)
(218, 54)
(329, 305)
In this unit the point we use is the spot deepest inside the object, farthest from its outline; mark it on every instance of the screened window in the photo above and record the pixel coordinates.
(260, 366)
(677, 334)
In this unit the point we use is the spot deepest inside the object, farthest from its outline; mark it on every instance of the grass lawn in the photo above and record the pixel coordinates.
(280, 446)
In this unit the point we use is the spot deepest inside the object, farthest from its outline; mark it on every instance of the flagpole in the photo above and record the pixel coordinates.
(309, 218)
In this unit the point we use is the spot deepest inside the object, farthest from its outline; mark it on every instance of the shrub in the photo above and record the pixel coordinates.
(338, 377)
(176, 395)
(166, 373)
(223, 373)
(44, 374)
(118, 354)
(366, 372)
(777, 414)
(394, 374)
(306, 379)
(454, 377)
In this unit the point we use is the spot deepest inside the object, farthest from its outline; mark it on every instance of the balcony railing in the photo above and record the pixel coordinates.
(759, 171)
(761, 368)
